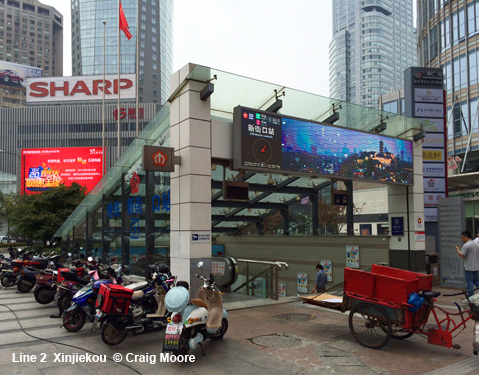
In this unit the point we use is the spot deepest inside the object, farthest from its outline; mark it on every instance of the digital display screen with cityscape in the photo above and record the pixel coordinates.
(276, 143)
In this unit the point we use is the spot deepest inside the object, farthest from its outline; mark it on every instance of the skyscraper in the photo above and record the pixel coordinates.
(31, 34)
(374, 41)
(155, 49)
(449, 39)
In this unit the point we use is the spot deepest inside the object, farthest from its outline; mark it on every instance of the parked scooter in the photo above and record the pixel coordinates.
(83, 302)
(10, 275)
(136, 308)
(27, 277)
(191, 323)
(46, 283)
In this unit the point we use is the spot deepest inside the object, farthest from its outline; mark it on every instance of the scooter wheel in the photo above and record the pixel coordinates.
(64, 302)
(6, 282)
(44, 295)
(110, 335)
(73, 321)
(24, 287)
(184, 342)
(221, 331)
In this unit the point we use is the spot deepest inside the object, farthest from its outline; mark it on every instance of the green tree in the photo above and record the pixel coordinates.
(38, 216)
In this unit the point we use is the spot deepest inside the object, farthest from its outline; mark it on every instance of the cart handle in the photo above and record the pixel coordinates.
(465, 291)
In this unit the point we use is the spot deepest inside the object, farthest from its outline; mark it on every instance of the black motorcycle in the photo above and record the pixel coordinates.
(120, 313)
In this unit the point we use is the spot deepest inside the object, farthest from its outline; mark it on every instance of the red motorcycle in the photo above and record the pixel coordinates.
(46, 283)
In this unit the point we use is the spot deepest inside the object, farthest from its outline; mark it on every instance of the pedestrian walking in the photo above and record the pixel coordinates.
(320, 281)
(470, 253)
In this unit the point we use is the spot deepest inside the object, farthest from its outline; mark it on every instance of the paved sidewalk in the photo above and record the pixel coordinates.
(264, 337)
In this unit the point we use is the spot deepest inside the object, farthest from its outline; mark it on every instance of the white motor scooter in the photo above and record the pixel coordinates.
(192, 322)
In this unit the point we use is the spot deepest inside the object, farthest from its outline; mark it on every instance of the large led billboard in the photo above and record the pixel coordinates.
(269, 142)
(47, 168)
(15, 74)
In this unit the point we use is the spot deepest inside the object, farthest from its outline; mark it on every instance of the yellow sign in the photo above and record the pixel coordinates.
(435, 155)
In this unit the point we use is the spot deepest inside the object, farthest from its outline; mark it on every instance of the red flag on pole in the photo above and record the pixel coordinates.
(124, 24)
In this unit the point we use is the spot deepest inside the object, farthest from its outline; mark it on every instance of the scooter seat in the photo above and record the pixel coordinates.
(137, 286)
(199, 302)
(83, 280)
(137, 294)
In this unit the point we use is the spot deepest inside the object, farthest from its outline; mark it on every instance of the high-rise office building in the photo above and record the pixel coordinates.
(448, 33)
(155, 42)
(374, 41)
(31, 34)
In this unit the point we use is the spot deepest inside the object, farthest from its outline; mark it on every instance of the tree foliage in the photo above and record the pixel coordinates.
(38, 216)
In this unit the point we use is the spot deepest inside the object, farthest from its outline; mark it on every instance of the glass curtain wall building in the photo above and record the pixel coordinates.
(448, 38)
(155, 42)
(374, 41)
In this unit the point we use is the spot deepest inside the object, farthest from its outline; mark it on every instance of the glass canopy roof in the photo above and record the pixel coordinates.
(269, 193)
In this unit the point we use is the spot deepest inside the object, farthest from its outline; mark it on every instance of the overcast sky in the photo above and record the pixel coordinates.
(278, 41)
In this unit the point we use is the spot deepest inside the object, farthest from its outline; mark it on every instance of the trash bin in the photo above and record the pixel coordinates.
(432, 266)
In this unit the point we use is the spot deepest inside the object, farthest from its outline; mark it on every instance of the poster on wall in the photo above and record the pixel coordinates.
(302, 282)
(365, 229)
(259, 287)
(328, 269)
(281, 289)
(352, 256)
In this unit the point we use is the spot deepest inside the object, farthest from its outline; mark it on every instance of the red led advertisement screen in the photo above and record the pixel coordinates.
(47, 168)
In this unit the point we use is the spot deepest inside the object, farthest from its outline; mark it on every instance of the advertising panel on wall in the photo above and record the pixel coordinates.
(269, 142)
(47, 168)
(16, 74)
(82, 88)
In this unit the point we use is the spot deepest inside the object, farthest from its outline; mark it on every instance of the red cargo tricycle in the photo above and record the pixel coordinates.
(378, 307)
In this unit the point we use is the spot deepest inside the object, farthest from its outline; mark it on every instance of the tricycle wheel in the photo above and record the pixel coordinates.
(400, 333)
(370, 325)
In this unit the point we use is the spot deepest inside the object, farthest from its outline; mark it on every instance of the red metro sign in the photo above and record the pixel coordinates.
(159, 159)
(53, 89)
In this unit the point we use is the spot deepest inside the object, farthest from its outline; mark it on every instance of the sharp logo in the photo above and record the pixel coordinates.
(159, 159)
(79, 88)
(66, 88)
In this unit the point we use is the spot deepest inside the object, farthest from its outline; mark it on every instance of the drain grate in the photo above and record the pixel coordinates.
(296, 317)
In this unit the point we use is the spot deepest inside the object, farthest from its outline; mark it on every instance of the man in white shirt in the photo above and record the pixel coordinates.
(470, 254)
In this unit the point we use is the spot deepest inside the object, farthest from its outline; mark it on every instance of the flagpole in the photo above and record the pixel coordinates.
(119, 66)
(103, 109)
(137, 70)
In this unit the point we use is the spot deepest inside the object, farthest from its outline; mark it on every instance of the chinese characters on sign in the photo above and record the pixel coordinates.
(47, 168)
(135, 204)
(129, 113)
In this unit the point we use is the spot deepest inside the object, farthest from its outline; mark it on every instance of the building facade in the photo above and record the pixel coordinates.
(155, 42)
(31, 34)
(67, 126)
(373, 43)
(448, 38)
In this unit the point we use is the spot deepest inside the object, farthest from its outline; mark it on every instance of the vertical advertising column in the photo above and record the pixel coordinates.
(190, 218)
(425, 99)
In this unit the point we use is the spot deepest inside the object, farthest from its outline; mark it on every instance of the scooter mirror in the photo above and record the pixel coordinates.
(89, 259)
(200, 264)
